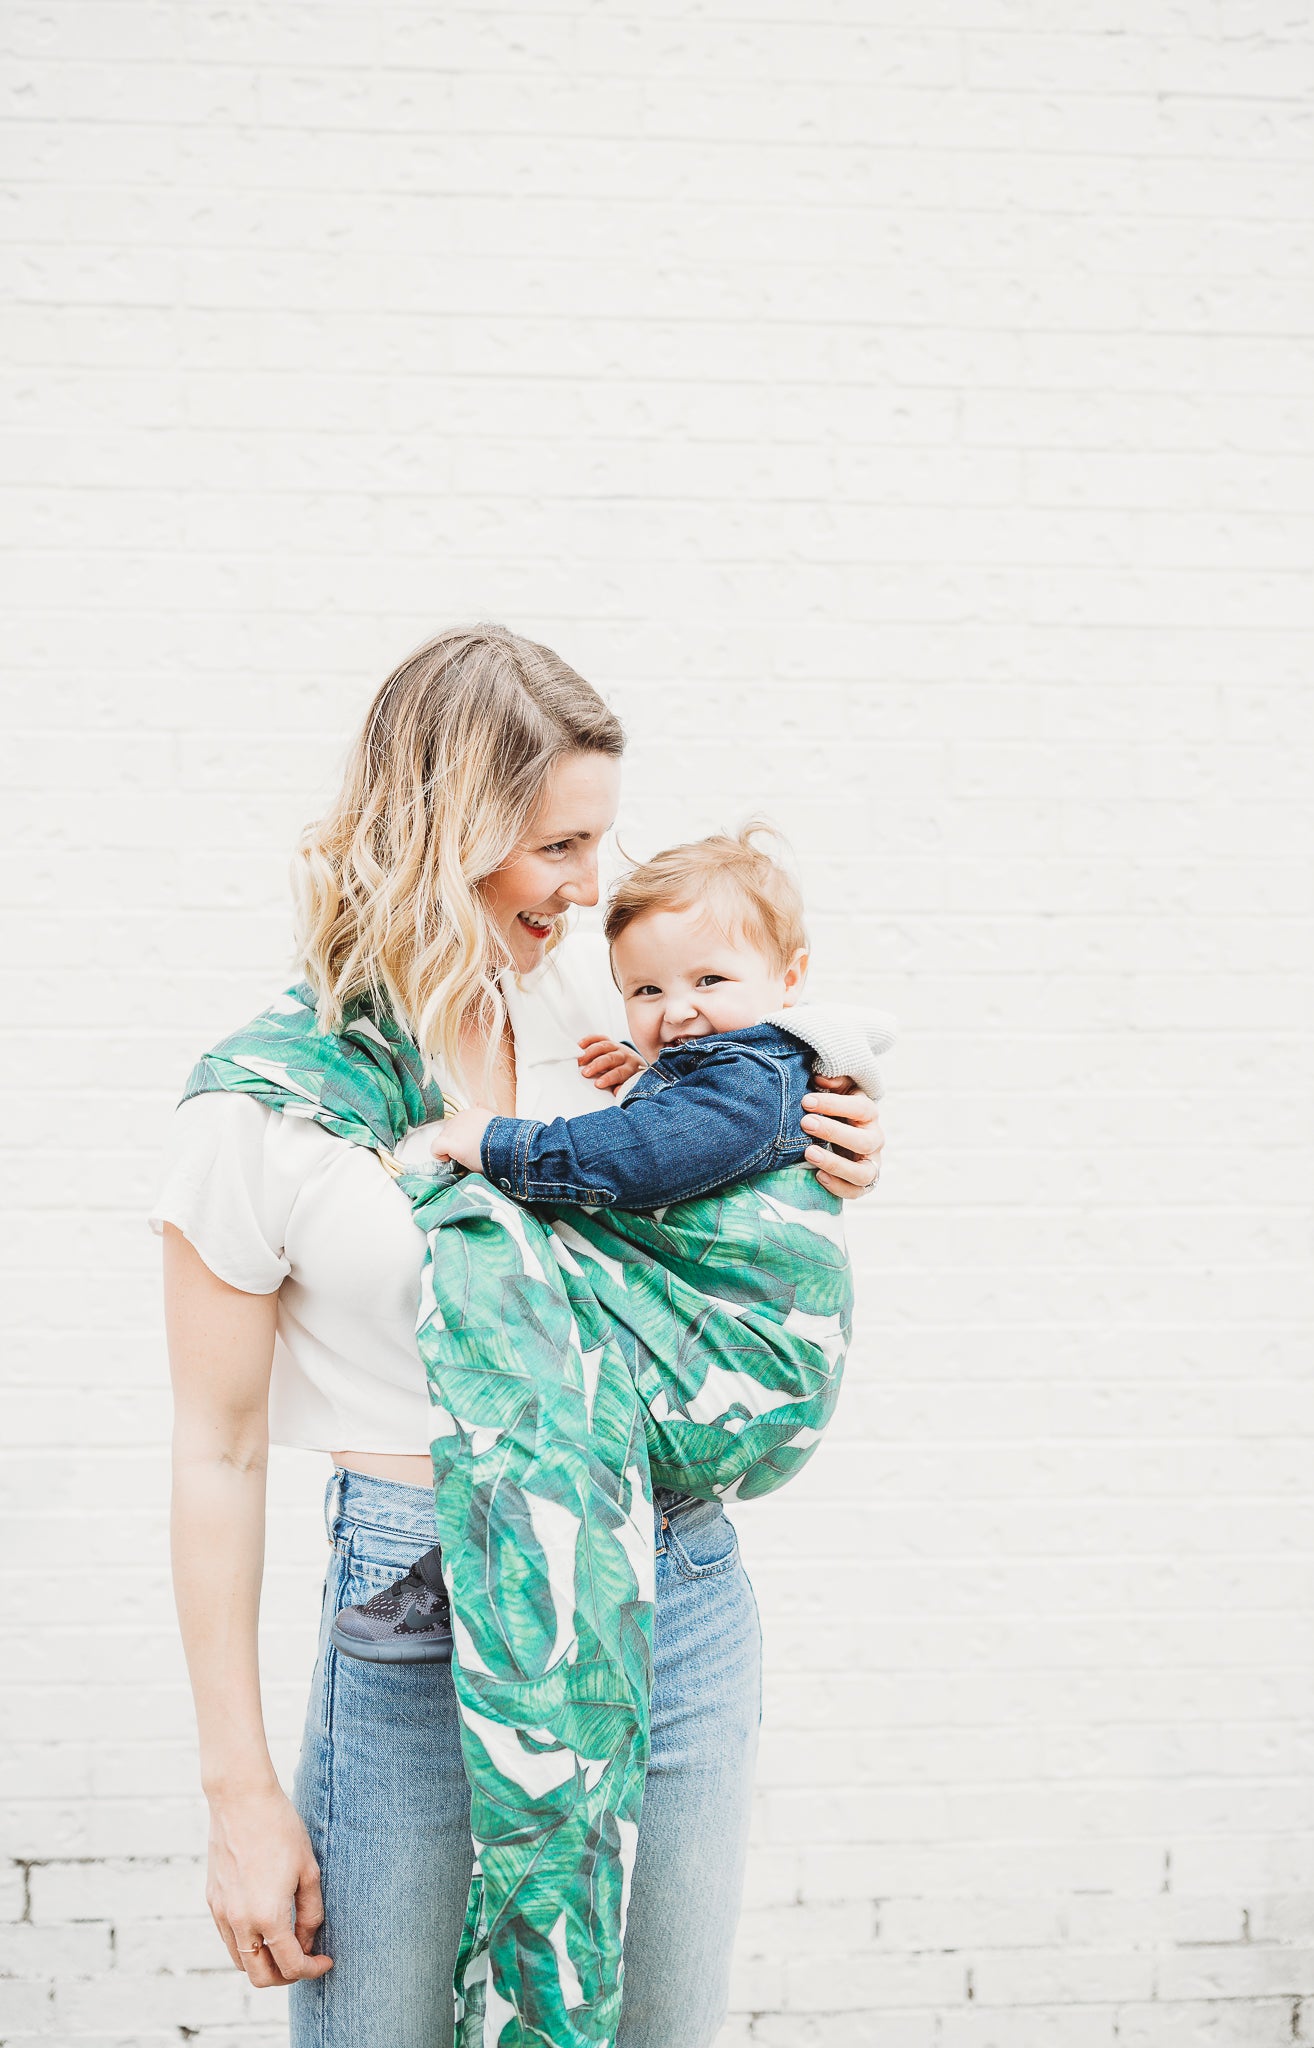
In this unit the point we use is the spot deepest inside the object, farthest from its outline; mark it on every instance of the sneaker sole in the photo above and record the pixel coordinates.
(416, 1652)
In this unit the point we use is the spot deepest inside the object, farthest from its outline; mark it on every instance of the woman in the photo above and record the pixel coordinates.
(468, 825)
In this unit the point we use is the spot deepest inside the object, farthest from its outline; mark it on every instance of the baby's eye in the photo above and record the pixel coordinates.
(709, 980)
(649, 988)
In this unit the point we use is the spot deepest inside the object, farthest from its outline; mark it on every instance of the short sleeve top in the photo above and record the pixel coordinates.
(273, 1202)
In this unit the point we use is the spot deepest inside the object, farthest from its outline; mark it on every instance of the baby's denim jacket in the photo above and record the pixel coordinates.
(707, 1113)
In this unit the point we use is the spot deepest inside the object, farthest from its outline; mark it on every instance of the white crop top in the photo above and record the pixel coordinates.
(273, 1202)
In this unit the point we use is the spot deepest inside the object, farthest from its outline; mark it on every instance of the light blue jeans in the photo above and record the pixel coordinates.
(382, 1791)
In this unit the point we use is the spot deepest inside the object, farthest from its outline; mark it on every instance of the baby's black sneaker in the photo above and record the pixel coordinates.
(409, 1622)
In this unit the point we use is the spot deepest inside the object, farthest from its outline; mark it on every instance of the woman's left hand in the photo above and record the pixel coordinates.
(839, 1115)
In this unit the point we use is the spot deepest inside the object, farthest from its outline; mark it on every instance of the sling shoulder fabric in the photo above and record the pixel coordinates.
(574, 1359)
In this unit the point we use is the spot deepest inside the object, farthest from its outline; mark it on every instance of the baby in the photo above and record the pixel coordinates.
(709, 951)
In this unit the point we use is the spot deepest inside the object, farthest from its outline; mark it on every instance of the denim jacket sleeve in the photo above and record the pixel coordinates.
(713, 1124)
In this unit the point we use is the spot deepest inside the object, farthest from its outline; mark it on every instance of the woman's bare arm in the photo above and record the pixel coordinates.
(263, 1885)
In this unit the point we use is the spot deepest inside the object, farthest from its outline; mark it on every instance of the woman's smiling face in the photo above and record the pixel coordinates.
(558, 863)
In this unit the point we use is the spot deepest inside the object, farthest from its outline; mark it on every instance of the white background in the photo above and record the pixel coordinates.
(903, 414)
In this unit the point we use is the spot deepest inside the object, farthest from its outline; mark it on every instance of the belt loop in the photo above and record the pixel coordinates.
(333, 1502)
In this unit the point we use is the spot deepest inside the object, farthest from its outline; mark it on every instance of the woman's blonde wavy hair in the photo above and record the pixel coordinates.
(440, 788)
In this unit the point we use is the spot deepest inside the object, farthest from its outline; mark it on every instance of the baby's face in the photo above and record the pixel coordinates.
(682, 976)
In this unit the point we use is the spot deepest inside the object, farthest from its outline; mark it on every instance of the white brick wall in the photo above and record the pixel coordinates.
(904, 413)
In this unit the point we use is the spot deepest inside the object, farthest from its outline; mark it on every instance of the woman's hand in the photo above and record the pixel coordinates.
(607, 1064)
(843, 1118)
(263, 1887)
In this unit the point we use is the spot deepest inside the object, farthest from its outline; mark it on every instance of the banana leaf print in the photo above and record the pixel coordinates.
(575, 1358)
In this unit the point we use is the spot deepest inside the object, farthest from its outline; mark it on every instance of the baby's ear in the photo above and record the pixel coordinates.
(796, 974)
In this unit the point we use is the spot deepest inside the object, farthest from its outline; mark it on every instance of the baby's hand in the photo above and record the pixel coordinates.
(459, 1136)
(607, 1064)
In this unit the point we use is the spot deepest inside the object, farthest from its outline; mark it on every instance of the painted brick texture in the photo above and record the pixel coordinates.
(904, 414)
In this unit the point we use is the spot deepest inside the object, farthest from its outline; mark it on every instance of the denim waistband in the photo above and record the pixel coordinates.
(389, 1504)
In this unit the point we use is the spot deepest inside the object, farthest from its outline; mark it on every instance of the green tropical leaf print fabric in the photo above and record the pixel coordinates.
(575, 1358)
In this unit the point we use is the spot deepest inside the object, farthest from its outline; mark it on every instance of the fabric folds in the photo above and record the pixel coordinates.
(575, 1358)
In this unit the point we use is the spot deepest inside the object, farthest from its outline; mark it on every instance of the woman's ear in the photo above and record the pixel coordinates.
(795, 975)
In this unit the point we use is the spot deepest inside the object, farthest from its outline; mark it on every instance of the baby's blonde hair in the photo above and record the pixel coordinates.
(744, 887)
(440, 788)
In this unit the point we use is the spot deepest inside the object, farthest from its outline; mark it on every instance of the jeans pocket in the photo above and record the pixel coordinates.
(369, 1560)
(367, 1545)
(702, 1540)
(322, 1683)
(351, 1581)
